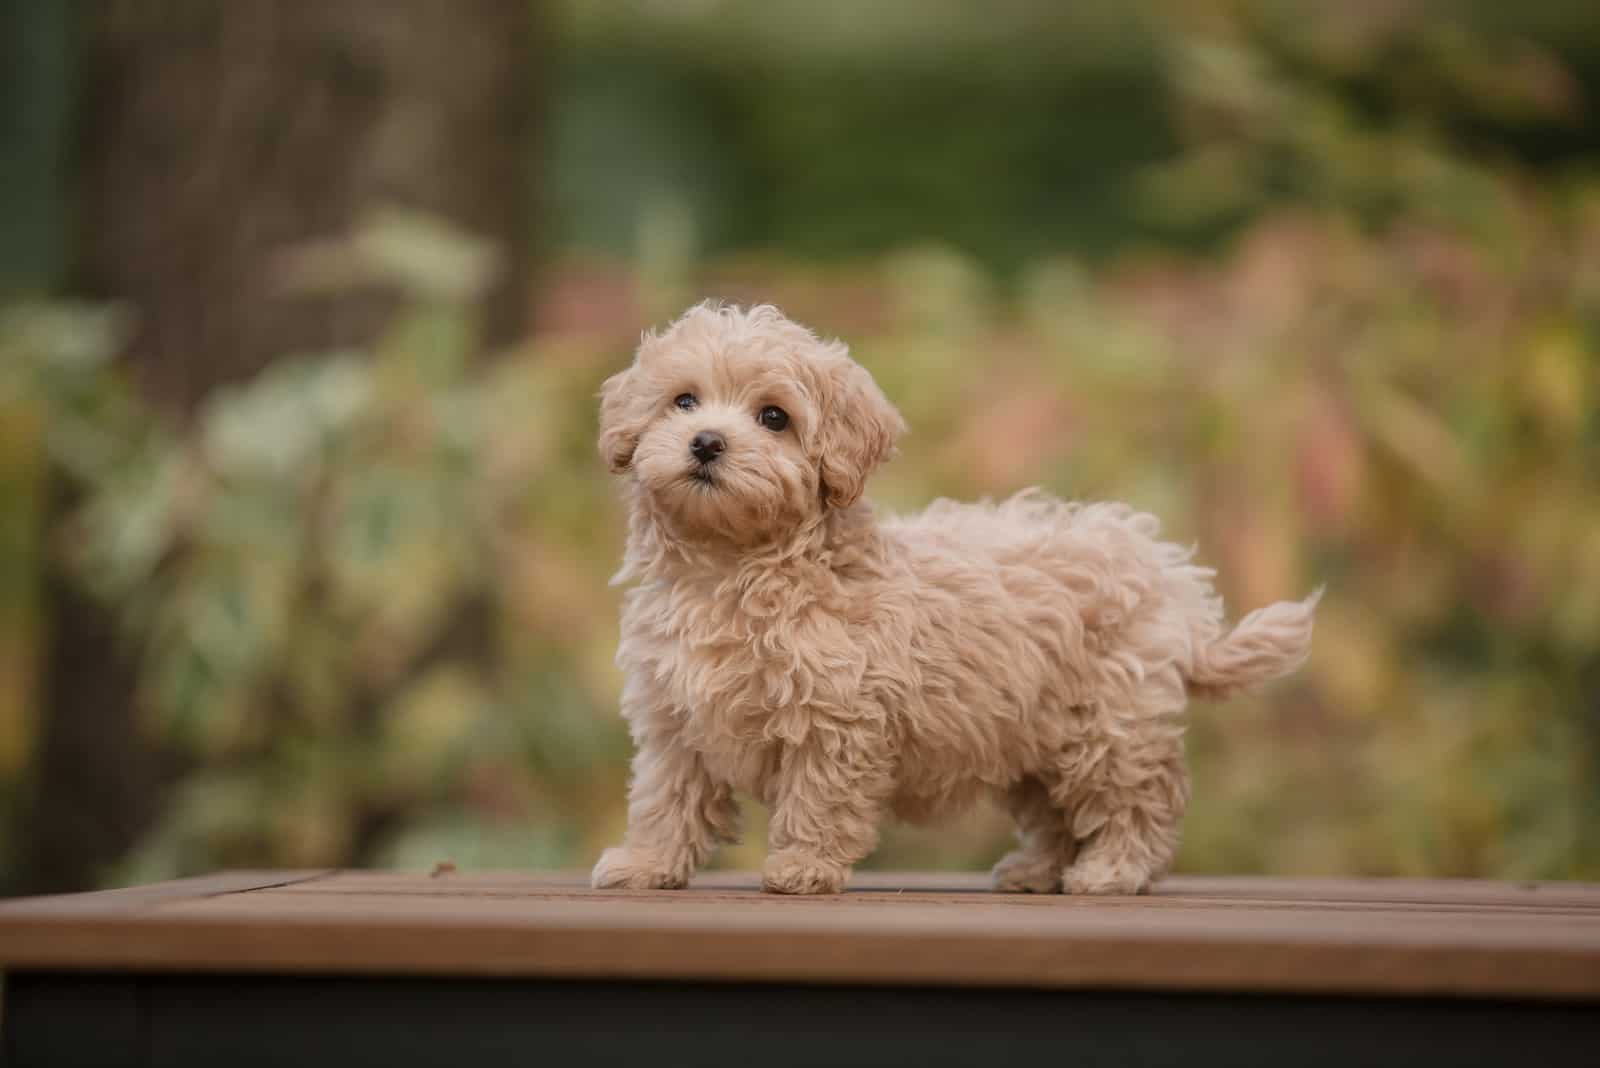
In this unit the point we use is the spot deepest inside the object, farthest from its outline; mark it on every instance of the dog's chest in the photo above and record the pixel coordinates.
(742, 669)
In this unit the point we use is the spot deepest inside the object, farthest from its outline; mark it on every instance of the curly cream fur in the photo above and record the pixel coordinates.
(782, 640)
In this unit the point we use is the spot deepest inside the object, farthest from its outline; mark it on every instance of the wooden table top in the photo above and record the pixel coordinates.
(1193, 933)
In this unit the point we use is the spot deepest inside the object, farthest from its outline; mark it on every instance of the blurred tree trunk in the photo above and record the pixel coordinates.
(213, 138)
(218, 135)
(35, 90)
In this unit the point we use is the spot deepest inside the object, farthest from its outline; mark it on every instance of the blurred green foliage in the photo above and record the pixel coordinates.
(829, 129)
(1322, 289)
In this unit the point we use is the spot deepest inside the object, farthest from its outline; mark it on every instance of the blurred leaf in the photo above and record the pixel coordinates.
(431, 261)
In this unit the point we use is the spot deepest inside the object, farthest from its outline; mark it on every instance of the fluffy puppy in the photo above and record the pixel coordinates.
(781, 639)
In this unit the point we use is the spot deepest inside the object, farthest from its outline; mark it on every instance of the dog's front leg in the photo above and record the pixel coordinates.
(828, 797)
(677, 814)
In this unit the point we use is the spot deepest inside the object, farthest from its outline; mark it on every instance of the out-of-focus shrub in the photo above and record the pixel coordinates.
(367, 589)
(371, 591)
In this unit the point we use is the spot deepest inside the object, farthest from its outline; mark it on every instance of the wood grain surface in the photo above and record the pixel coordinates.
(1193, 934)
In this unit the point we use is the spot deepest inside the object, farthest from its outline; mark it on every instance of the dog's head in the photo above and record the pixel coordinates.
(739, 423)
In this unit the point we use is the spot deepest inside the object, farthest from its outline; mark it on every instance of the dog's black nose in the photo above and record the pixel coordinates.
(707, 446)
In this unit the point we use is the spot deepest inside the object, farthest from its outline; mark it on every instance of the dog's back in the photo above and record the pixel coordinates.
(1090, 572)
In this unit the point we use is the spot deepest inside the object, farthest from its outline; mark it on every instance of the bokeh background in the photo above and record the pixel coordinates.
(304, 544)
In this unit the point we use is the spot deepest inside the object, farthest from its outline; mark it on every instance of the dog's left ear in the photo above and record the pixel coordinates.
(621, 422)
(858, 431)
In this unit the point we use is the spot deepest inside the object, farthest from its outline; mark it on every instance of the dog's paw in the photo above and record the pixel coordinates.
(1100, 877)
(798, 873)
(621, 868)
(1026, 872)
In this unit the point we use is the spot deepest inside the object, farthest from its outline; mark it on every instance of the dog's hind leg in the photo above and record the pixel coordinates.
(1128, 808)
(1046, 845)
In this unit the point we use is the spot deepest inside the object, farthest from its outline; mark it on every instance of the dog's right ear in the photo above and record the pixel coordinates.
(621, 422)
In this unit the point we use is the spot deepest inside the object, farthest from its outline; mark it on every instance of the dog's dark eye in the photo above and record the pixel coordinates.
(773, 418)
(687, 401)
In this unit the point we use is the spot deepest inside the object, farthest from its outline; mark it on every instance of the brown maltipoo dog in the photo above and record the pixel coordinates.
(782, 639)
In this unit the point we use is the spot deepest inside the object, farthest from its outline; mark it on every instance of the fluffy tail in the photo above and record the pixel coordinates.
(1266, 644)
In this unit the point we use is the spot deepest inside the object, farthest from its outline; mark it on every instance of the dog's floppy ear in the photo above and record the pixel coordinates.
(621, 420)
(857, 432)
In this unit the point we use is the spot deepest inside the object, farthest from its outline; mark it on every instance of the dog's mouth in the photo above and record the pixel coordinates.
(701, 476)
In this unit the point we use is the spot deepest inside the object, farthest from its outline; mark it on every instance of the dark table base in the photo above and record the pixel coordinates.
(236, 1021)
